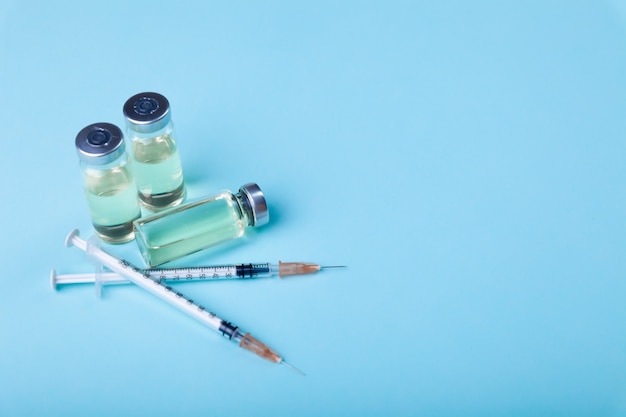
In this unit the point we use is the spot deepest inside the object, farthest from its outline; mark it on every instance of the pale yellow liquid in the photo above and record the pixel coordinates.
(158, 172)
(112, 201)
(190, 228)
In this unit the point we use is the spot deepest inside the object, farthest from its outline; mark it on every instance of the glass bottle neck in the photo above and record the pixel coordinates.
(121, 161)
(246, 209)
(149, 131)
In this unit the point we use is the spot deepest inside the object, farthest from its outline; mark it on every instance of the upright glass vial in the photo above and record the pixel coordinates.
(169, 235)
(156, 161)
(108, 182)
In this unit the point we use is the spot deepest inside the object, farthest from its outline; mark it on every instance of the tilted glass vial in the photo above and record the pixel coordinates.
(171, 234)
(108, 182)
(156, 161)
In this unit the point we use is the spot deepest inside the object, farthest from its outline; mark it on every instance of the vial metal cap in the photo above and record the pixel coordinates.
(147, 112)
(258, 206)
(100, 143)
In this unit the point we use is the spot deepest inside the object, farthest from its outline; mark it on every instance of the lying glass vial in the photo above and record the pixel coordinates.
(189, 228)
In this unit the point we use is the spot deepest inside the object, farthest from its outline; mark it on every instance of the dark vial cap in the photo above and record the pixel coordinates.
(147, 112)
(100, 143)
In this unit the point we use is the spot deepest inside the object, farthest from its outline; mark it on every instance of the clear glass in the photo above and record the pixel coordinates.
(157, 167)
(112, 199)
(169, 235)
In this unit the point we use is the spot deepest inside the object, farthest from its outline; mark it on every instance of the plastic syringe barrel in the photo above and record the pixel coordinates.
(145, 281)
(216, 273)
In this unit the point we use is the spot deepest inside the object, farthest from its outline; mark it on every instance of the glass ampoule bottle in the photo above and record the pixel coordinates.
(108, 182)
(182, 230)
(156, 160)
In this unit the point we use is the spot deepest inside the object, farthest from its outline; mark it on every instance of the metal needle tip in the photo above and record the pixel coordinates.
(293, 368)
(334, 266)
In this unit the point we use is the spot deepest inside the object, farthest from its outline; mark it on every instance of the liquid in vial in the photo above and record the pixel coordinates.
(112, 201)
(189, 228)
(158, 158)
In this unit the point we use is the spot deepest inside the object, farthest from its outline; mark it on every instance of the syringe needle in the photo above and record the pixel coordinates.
(300, 268)
(293, 368)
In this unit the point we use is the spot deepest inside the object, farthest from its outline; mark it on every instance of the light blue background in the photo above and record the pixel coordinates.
(464, 159)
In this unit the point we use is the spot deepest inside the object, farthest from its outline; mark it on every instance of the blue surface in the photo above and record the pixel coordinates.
(464, 159)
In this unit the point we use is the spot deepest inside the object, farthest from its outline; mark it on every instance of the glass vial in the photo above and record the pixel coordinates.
(156, 161)
(169, 235)
(108, 182)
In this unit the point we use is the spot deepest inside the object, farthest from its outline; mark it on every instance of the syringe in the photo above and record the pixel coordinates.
(168, 294)
(197, 273)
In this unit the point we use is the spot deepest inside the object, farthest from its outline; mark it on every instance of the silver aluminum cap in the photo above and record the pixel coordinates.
(258, 205)
(100, 143)
(147, 112)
